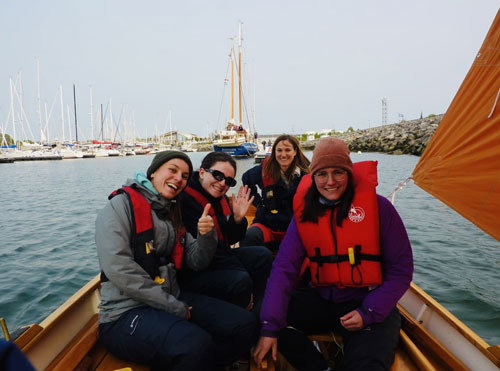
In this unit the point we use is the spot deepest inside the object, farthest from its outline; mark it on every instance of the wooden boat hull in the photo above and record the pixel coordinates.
(431, 337)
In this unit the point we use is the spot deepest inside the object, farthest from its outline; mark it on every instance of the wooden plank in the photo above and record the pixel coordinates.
(110, 362)
(28, 335)
(77, 349)
(415, 329)
(95, 356)
(495, 350)
(417, 356)
(470, 335)
(63, 325)
(73, 301)
(402, 362)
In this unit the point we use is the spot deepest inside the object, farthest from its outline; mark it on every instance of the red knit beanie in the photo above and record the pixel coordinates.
(331, 152)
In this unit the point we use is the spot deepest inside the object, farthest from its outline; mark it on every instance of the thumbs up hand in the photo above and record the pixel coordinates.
(205, 223)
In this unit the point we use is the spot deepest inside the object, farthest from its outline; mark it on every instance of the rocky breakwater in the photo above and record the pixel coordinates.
(405, 137)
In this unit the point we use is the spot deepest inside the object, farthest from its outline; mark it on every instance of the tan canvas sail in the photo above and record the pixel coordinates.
(461, 164)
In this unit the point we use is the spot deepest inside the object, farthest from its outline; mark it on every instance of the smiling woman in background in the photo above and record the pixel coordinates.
(278, 178)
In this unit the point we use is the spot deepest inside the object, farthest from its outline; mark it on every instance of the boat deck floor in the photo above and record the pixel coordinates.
(86, 353)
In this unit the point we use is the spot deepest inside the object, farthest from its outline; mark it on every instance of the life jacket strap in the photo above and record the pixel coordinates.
(354, 257)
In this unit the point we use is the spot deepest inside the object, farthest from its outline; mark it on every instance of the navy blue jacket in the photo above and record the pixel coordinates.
(282, 193)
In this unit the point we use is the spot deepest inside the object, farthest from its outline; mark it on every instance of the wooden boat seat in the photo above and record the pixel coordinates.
(329, 344)
(326, 340)
(86, 353)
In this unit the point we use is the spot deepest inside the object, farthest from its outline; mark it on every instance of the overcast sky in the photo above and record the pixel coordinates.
(309, 65)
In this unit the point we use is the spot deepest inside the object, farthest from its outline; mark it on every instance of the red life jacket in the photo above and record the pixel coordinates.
(142, 241)
(347, 256)
(268, 199)
(202, 200)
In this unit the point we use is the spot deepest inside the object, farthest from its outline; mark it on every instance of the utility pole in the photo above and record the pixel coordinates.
(384, 111)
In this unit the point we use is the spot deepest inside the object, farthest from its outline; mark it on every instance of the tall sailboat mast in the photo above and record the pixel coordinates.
(91, 115)
(232, 82)
(39, 109)
(239, 74)
(62, 113)
(12, 112)
(74, 103)
(232, 140)
(102, 125)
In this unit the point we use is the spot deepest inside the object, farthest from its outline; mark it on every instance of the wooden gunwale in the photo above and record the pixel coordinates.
(61, 326)
(433, 307)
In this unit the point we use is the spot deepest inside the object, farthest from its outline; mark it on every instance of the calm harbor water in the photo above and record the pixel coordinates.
(47, 251)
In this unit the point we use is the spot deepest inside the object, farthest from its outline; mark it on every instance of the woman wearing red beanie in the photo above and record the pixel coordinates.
(360, 261)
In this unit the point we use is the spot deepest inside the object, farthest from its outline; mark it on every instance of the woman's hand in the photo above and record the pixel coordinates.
(241, 203)
(205, 223)
(265, 343)
(352, 321)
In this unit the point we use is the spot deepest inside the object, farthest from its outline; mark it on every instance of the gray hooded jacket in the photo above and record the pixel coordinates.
(129, 286)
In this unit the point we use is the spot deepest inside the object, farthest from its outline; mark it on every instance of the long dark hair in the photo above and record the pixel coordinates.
(300, 160)
(313, 208)
(175, 215)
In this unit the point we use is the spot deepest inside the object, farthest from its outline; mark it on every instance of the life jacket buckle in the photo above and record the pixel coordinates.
(352, 259)
(159, 280)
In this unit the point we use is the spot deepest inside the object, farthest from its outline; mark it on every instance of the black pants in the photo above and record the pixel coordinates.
(217, 334)
(233, 276)
(260, 235)
(371, 348)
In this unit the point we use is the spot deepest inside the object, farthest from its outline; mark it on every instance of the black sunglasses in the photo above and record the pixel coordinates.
(219, 175)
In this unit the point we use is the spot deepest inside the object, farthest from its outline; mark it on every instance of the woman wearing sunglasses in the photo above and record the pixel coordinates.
(141, 244)
(277, 177)
(236, 275)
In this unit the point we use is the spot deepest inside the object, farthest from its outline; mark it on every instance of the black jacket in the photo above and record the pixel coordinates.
(192, 210)
(282, 203)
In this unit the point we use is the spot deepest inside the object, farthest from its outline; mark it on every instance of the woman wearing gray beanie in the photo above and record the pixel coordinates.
(141, 244)
(360, 261)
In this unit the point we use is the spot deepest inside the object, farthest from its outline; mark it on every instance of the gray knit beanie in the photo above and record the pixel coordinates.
(331, 152)
(165, 156)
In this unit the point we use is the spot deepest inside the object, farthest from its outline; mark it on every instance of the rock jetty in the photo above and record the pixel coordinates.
(405, 137)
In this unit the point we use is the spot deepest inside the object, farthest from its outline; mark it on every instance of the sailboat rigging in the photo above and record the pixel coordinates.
(235, 139)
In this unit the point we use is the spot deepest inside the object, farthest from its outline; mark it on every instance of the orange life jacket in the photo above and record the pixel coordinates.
(346, 256)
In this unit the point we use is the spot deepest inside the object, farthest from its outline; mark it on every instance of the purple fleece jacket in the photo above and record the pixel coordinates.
(397, 272)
